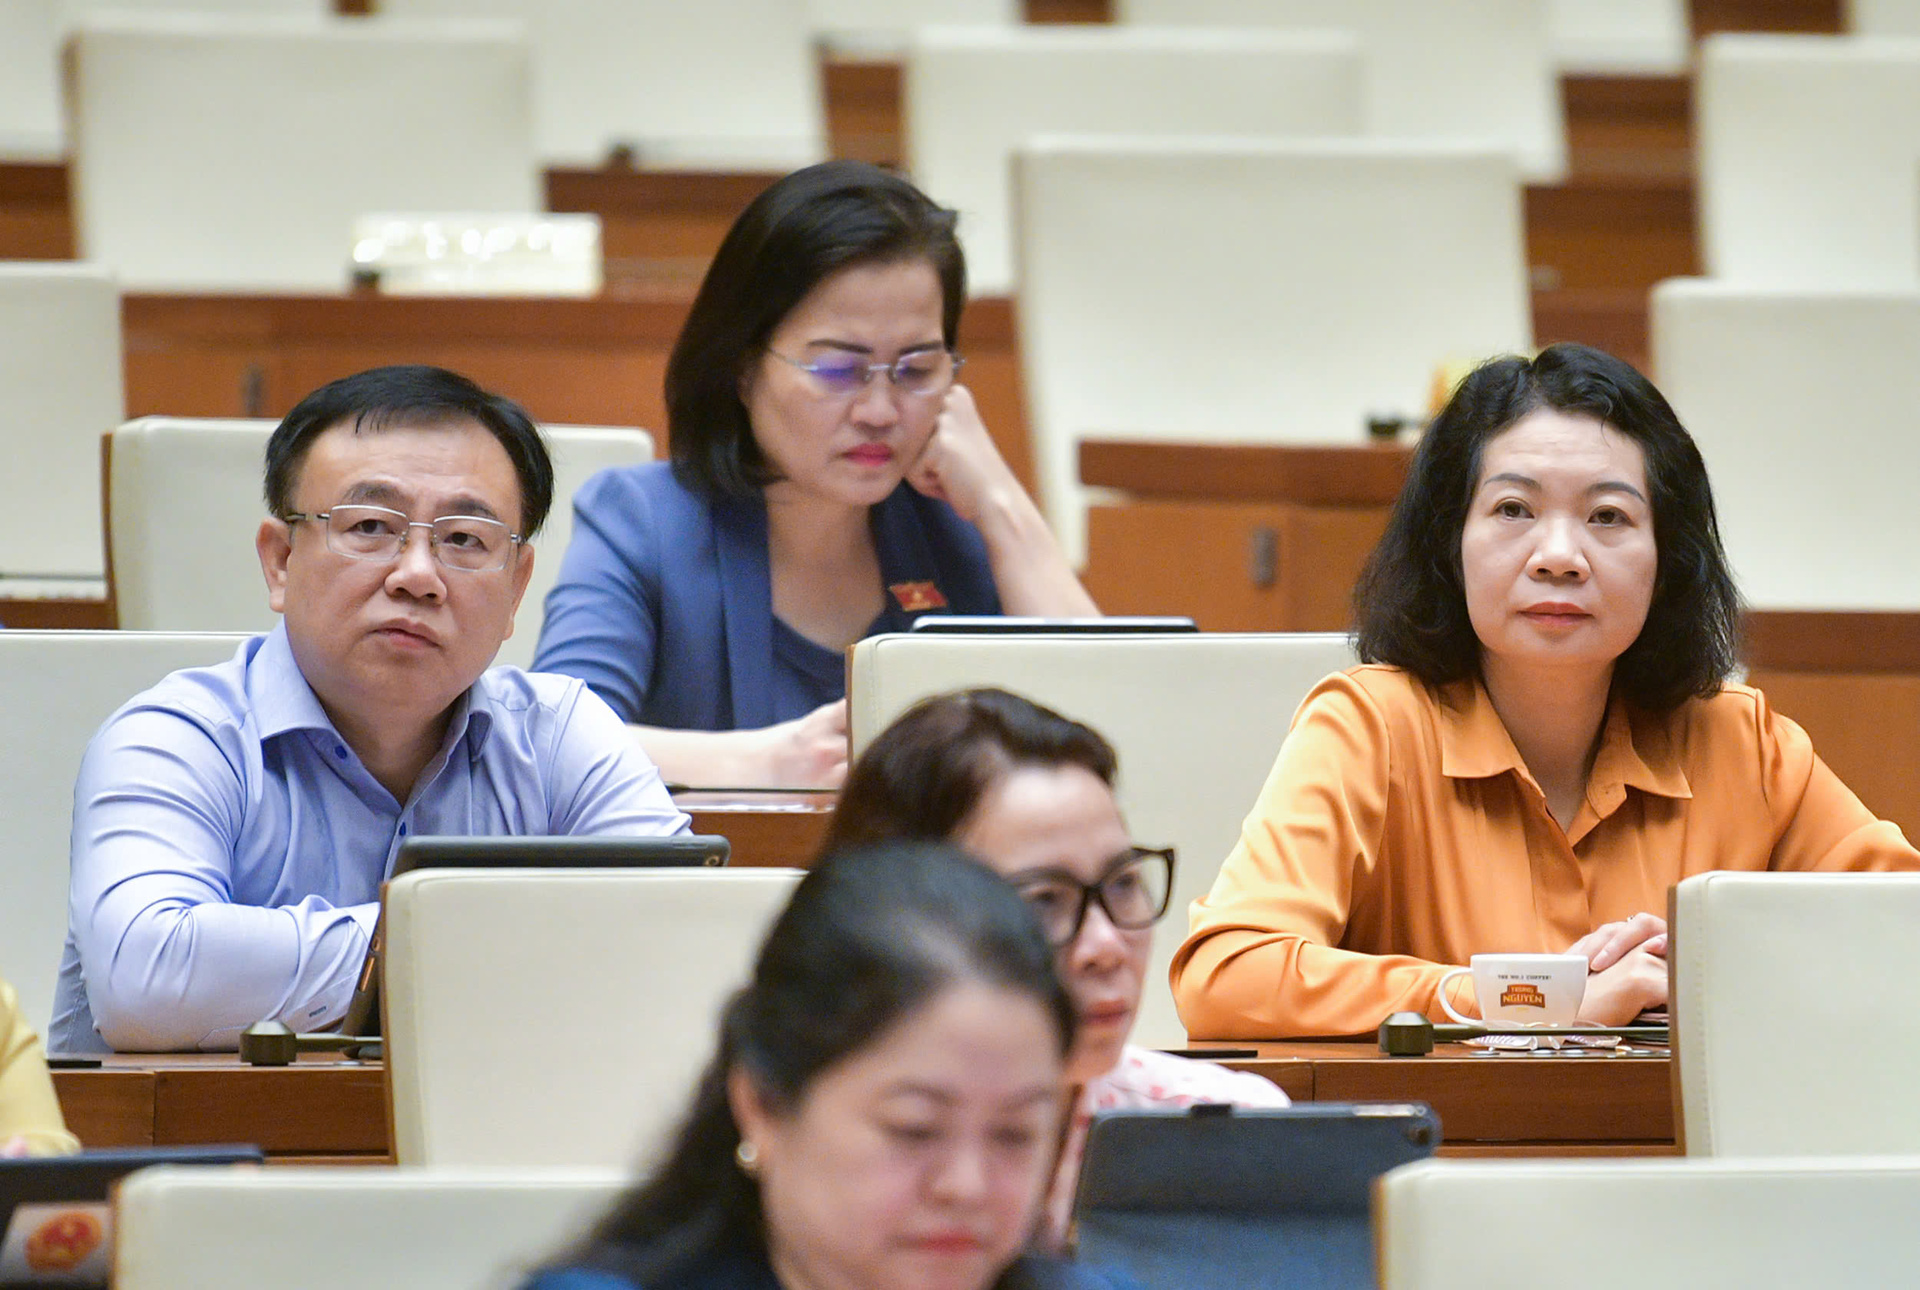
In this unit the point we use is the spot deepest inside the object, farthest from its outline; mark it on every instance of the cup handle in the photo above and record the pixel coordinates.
(1440, 992)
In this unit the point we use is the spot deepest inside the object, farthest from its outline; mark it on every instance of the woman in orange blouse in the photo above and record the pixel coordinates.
(30, 1122)
(1540, 742)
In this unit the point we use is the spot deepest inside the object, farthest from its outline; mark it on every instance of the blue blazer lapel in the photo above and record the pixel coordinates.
(746, 607)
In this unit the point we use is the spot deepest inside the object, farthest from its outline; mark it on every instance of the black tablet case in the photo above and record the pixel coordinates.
(1213, 1197)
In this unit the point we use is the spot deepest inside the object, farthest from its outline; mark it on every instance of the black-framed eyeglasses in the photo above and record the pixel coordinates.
(1133, 893)
(469, 543)
(925, 372)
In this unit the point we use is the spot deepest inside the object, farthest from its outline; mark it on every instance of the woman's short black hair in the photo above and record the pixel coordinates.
(410, 395)
(871, 936)
(805, 228)
(924, 774)
(1410, 607)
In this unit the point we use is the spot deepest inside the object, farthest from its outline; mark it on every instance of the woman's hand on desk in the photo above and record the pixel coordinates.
(1611, 942)
(1622, 992)
(14, 1147)
(809, 751)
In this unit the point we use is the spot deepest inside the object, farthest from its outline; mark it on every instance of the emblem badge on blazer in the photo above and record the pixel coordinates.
(917, 597)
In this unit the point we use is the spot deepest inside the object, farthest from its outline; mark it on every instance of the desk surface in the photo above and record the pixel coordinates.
(327, 1108)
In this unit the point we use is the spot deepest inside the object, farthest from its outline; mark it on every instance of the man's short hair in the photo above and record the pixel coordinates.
(410, 395)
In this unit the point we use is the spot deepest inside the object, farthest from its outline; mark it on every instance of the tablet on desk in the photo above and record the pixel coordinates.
(1219, 1198)
(56, 1227)
(599, 851)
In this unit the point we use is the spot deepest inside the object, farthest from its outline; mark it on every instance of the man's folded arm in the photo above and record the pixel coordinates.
(170, 962)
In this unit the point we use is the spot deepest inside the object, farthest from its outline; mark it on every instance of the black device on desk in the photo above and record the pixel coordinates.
(996, 625)
(1218, 1198)
(685, 850)
(55, 1224)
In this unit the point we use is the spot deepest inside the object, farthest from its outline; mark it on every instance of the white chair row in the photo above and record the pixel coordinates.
(1441, 1224)
(309, 1227)
(1660, 1224)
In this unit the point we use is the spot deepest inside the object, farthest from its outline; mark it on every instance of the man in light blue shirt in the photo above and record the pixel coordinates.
(232, 825)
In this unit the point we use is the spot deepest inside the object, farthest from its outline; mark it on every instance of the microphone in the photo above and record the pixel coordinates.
(1411, 1034)
(271, 1043)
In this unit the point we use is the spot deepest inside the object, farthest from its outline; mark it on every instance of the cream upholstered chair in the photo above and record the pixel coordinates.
(179, 1227)
(170, 576)
(1883, 17)
(1272, 291)
(1787, 997)
(60, 390)
(721, 84)
(1466, 69)
(1621, 37)
(1807, 150)
(31, 127)
(866, 29)
(970, 96)
(1679, 1224)
(228, 153)
(588, 1001)
(1800, 401)
(1196, 720)
(56, 688)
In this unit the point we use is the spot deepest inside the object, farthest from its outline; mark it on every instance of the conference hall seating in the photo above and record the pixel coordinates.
(972, 95)
(1786, 1003)
(562, 1016)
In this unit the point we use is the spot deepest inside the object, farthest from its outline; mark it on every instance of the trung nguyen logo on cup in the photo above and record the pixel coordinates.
(1521, 994)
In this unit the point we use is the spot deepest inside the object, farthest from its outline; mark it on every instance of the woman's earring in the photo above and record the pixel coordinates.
(748, 1157)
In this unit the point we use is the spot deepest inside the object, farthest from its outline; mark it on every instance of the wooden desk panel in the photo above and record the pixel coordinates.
(326, 1107)
(107, 1107)
(770, 829)
(1519, 1104)
(322, 1106)
(585, 362)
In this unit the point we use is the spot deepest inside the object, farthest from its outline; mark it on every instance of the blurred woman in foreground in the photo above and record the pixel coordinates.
(884, 1107)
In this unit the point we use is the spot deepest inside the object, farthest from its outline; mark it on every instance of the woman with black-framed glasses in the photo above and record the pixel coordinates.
(830, 479)
(1030, 792)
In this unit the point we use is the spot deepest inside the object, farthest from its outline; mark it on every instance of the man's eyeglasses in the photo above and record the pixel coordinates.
(922, 373)
(1133, 893)
(468, 543)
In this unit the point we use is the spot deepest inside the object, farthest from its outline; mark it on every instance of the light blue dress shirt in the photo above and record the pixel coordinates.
(228, 846)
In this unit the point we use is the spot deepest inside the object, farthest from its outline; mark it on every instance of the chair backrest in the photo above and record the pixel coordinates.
(31, 127)
(1271, 292)
(1469, 69)
(1469, 1224)
(884, 28)
(1800, 401)
(1883, 17)
(60, 390)
(1621, 37)
(220, 152)
(55, 690)
(1196, 721)
(179, 1227)
(970, 96)
(204, 576)
(588, 1001)
(1807, 150)
(1786, 999)
(721, 84)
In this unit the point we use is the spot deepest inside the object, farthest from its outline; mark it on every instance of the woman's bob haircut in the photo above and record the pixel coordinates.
(1410, 607)
(805, 228)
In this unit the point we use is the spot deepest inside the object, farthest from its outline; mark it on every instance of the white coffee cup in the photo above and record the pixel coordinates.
(1523, 989)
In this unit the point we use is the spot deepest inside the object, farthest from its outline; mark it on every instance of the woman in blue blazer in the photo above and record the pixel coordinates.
(829, 479)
